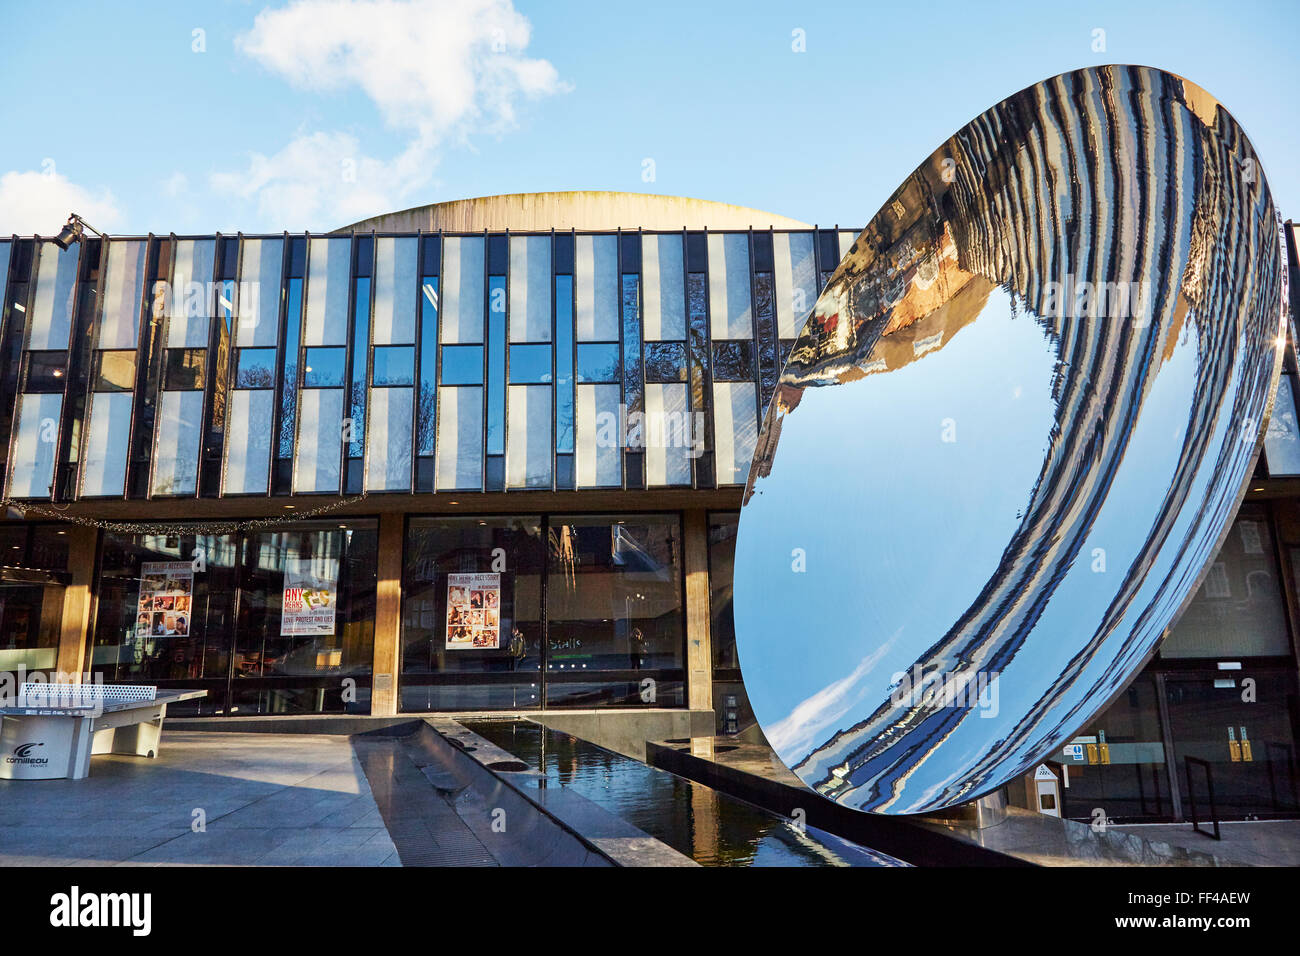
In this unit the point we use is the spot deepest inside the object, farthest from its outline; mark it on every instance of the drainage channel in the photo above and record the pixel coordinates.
(709, 826)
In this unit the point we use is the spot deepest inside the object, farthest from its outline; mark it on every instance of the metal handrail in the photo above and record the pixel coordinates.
(1191, 795)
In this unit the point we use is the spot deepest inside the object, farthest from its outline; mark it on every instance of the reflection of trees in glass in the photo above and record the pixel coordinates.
(288, 410)
(425, 423)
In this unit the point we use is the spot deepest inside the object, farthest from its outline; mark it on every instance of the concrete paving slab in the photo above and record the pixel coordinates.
(268, 799)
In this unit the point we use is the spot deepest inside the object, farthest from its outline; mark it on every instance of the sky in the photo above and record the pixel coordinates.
(233, 116)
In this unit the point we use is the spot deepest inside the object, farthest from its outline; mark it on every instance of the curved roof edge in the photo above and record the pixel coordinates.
(581, 209)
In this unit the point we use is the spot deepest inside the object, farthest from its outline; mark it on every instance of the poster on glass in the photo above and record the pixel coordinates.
(310, 596)
(473, 612)
(163, 605)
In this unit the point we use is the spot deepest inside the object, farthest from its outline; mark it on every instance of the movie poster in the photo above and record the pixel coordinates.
(163, 606)
(473, 612)
(310, 594)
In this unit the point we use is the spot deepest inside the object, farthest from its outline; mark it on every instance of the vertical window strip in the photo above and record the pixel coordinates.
(355, 426)
(496, 371)
(460, 438)
(49, 327)
(463, 269)
(426, 428)
(292, 360)
(528, 458)
(564, 346)
(396, 270)
(663, 295)
(729, 305)
(258, 296)
(329, 271)
(530, 288)
(596, 281)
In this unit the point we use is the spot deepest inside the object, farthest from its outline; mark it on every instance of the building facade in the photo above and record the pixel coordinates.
(489, 456)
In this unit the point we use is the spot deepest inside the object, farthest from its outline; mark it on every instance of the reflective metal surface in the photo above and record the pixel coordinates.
(1009, 439)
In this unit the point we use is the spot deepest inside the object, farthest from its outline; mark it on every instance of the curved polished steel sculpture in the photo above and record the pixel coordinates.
(1009, 439)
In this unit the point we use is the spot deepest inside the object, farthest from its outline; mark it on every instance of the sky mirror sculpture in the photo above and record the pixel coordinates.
(1009, 439)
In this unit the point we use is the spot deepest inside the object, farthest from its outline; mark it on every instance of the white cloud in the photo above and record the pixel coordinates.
(177, 184)
(435, 69)
(318, 181)
(794, 734)
(35, 202)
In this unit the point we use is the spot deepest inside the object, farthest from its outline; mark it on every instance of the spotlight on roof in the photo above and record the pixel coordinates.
(73, 231)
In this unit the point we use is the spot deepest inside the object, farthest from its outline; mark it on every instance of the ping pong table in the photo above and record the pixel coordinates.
(54, 729)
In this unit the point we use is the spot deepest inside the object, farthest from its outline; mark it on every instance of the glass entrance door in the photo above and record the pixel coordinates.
(1242, 723)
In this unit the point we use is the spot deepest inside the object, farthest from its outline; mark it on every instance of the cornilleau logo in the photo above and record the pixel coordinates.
(23, 754)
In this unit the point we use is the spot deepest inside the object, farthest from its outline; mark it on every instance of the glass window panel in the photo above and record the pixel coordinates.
(119, 320)
(528, 454)
(31, 456)
(103, 470)
(460, 438)
(599, 436)
(183, 369)
(461, 314)
(259, 293)
(5, 249)
(613, 603)
(439, 676)
(846, 242)
(190, 303)
(667, 435)
(360, 345)
(530, 364)
(46, 371)
(530, 288)
(256, 368)
(795, 274)
(397, 262)
(176, 445)
(564, 363)
(248, 442)
(462, 365)
(598, 363)
(735, 429)
(143, 642)
(665, 361)
(325, 321)
(1238, 610)
(388, 452)
(393, 365)
(722, 559)
(729, 307)
(289, 393)
(428, 365)
(632, 374)
(596, 275)
(269, 647)
(733, 361)
(1282, 440)
(324, 368)
(496, 438)
(664, 297)
(113, 371)
(50, 324)
(320, 440)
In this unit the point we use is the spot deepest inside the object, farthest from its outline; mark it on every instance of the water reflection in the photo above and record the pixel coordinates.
(1054, 347)
(710, 827)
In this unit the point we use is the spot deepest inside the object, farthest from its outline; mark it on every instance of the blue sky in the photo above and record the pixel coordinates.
(313, 114)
